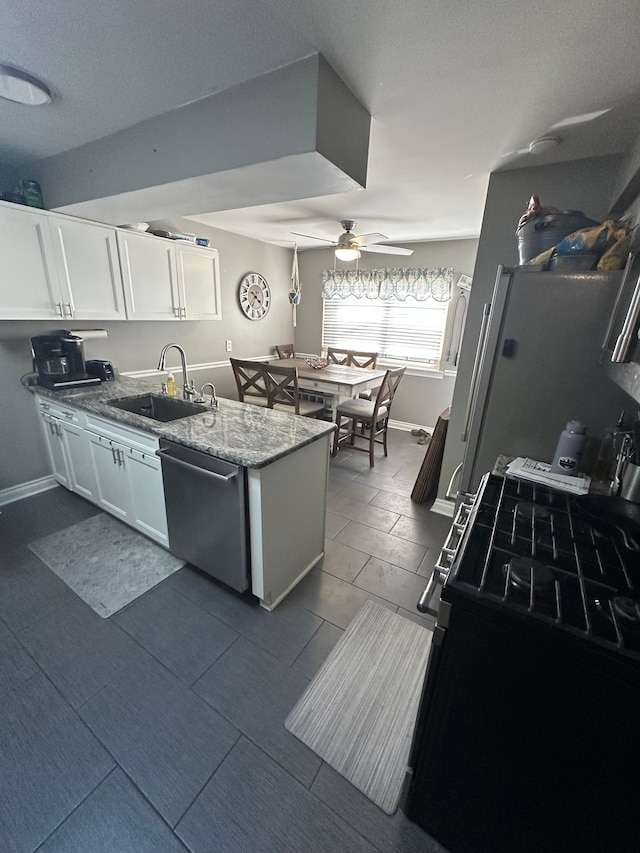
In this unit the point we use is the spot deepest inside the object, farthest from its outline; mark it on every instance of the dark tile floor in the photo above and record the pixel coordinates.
(162, 728)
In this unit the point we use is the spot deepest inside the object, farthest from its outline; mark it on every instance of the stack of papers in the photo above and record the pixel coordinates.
(538, 472)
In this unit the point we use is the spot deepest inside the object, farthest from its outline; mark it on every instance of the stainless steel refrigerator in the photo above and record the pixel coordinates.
(539, 363)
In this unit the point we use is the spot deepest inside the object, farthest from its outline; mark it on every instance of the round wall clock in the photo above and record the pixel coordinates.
(254, 295)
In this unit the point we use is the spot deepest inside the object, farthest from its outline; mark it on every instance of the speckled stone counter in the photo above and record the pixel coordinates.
(240, 433)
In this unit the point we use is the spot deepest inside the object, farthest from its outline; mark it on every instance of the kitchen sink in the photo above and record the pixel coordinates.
(159, 408)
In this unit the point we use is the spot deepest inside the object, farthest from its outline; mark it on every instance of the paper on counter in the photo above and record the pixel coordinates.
(538, 472)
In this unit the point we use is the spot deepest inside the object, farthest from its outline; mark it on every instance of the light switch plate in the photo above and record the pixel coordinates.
(228, 346)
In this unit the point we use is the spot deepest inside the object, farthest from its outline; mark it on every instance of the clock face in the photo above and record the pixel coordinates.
(254, 295)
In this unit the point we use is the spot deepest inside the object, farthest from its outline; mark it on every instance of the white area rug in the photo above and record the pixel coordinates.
(358, 714)
(105, 562)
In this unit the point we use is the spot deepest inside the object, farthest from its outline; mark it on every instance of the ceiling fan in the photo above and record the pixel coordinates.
(349, 245)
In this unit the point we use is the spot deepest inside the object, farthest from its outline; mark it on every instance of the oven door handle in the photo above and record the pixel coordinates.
(437, 576)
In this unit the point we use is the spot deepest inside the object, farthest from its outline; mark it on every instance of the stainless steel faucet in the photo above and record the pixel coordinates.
(214, 399)
(188, 388)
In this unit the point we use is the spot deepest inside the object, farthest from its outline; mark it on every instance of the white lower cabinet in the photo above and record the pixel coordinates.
(68, 446)
(129, 477)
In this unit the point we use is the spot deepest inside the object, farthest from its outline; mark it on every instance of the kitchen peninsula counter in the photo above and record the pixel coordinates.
(240, 433)
(285, 458)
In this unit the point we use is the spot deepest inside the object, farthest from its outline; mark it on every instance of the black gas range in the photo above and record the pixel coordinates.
(528, 736)
(531, 551)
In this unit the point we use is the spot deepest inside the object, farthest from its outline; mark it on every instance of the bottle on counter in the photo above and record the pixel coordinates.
(568, 455)
(171, 385)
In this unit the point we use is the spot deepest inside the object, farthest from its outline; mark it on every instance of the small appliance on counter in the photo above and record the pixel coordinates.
(102, 369)
(58, 359)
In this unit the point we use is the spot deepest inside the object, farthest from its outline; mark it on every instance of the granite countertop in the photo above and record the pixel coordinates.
(239, 433)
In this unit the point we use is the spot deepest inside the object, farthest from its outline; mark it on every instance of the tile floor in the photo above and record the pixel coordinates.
(161, 729)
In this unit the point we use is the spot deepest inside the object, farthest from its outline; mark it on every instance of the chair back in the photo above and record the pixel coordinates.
(282, 386)
(338, 356)
(387, 390)
(363, 359)
(285, 351)
(250, 379)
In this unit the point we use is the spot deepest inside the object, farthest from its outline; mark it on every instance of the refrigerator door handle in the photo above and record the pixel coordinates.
(625, 338)
(476, 370)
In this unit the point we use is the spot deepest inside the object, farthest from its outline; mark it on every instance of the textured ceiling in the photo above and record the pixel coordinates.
(452, 89)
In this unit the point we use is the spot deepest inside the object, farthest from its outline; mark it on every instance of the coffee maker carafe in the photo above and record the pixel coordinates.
(58, 359)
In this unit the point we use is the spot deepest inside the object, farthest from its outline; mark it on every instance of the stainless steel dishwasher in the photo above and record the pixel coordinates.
(207, 512)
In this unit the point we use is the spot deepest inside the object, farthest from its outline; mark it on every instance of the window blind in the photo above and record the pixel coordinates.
(400, 331)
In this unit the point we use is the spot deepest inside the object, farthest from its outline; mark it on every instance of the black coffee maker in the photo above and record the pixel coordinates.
(58, 359)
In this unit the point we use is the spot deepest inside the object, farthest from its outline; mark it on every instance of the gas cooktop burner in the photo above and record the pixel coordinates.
(627, 608)
(530, 510)
(521, 571)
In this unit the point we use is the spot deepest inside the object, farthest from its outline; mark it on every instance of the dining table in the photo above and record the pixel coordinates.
(335, 382)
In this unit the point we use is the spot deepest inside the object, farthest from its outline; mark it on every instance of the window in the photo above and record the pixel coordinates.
(407, 331)
(400, 313)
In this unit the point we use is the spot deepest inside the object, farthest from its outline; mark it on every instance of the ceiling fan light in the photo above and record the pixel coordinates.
(22, 88)
(347, 253)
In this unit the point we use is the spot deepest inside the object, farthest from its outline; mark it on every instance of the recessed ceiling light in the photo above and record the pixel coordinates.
(23, 88)
(566, 122)
(543, 144)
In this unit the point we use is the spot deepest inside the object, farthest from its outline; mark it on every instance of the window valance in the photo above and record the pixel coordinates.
(418, 282)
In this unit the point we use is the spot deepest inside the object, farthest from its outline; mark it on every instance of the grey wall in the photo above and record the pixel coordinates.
(134, 346)
(585, 185)
(420, 399)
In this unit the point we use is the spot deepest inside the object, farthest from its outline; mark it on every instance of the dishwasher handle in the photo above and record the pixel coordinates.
(166, 456)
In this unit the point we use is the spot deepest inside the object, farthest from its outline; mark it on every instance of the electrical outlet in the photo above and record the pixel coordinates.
(228, 345)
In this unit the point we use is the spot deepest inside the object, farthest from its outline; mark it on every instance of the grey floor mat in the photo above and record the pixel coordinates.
(358, 713)
(105, 562)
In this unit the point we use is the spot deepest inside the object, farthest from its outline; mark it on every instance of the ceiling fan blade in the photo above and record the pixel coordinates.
(311, 237)
(367, 239)
(386, 250)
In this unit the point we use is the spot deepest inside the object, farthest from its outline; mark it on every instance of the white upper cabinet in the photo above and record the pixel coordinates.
(166, 280)
(57, 267)
(29, 287)
(198, 282)
(54, 266)
(149, 276)
(86, 257)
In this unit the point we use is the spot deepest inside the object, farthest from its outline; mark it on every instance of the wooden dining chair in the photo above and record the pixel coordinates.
(250, 379)
(338, 356)
(284, 394)
(363, 359)
(367, 420)
(285, 351)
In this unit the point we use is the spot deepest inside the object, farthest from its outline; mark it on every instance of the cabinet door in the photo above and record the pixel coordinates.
(112, 485)
(199, 282)
(29, 288)
(53, 435)
(149, 276)
(86, 256)
(145, 478)
(82, 476)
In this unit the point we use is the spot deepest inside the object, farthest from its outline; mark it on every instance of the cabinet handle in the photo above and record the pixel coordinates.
(68, 307)
(113, 453)
(121, 457)
(60, 311)
(51, 427)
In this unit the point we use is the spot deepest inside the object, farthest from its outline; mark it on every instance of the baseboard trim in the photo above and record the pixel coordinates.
(407, 427)
(27, 490)
(443, 507)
